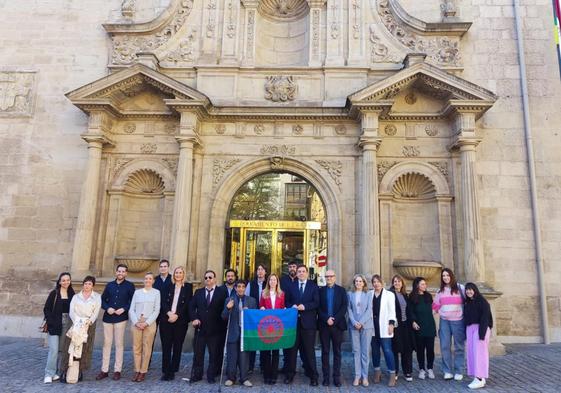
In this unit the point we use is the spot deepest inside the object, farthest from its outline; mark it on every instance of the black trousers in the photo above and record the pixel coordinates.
(305, 340)
(331, 336)
(424, 345)
(252, 357)
(172, 336)
(270, 363)
(236, 360)
(406, 362)
(213, 344)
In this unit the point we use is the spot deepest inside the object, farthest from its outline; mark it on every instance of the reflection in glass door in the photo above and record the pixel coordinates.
(291, 248)
(258, 251)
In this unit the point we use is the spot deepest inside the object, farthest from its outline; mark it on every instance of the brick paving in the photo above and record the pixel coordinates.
(525, 368)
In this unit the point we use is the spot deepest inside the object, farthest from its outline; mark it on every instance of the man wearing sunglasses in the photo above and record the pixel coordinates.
(210, 329)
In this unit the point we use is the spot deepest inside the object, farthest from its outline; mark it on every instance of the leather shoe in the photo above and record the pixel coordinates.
(135, 378)
(288, 380)
(337, 383)
(101, 375)
(141, 377)
(325, 382)
(211, 380)
(314, 382)
(116, 376)
(164, 378)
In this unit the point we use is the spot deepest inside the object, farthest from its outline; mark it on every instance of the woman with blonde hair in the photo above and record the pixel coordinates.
(174, 322)
(403, 339)
(145, 308)
(271, 298)
(359, 309)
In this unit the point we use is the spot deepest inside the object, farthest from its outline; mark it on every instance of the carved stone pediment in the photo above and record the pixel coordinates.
(428, 80)
(114, 91)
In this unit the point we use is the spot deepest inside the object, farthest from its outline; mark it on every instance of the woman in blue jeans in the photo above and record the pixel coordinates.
(384, 318)
(56, 312)
(449, 304)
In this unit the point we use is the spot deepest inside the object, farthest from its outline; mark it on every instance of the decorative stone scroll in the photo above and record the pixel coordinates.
(410, 151)
(383, 167)
(334, 168)
(129, 128)
(440, 50)
(172, 164)
(186, 50)
(442, 166)
(148, 148)
(280, 88)
(126, 46)
(379, 52)
(220, 167)
(275, 150)
(119, 164)
(17, 93)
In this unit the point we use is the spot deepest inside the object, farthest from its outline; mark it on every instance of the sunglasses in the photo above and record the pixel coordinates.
(208, 277)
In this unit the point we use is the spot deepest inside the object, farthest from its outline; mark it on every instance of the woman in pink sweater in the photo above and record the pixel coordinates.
(449, 304)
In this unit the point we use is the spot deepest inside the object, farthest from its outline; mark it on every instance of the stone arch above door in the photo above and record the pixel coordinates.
(245, 171)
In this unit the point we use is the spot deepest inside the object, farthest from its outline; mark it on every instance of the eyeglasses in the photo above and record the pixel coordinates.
(330, 276)
(208, 277)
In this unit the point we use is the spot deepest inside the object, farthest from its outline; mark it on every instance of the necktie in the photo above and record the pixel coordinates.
(301, 290)
(240, 307)
(208, 292)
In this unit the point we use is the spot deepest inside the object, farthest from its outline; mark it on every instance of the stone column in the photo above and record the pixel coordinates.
(83, 240)
(466, 141)
(369, 233)
(181, 223)
(315, 29)
(250, 27)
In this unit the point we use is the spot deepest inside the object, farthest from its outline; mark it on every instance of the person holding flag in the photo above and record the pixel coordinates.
(233, 313)
(272, 298)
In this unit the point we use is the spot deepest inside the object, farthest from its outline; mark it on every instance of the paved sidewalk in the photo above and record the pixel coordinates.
(525, 368)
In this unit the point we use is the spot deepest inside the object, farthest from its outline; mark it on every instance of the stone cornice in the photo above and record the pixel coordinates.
(94, 139)
(465, 143)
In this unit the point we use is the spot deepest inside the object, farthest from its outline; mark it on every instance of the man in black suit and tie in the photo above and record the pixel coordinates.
(205, 311)
(304, 296)
(234, 356)
(332, 323)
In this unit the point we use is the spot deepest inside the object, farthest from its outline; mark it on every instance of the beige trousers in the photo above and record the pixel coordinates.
(142, 341)
(113, 331)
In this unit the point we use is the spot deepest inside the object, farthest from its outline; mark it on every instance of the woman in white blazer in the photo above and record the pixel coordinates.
(384, 318)
(359, 309)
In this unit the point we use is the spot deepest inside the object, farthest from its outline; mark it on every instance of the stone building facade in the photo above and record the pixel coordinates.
(127, 127)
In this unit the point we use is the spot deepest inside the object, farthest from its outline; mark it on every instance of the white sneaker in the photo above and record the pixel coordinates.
(448, 376)
(48, 380)
(247, 383)
(228, 383)
(430, 373)
(458, 377)
(422, 374)
(477, 383)
(409, 378)
(55, 377)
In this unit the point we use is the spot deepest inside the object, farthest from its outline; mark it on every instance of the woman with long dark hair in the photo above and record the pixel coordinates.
(402, 341)
(58, 322)
(479, 321)
(424, 326)
(272, 297)
(449, 304)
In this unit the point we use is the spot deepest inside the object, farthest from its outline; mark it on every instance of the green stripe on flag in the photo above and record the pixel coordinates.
(253, 341)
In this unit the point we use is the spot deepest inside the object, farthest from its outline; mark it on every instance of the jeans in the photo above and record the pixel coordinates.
(386, 344)
(447, 331)
(55, 346)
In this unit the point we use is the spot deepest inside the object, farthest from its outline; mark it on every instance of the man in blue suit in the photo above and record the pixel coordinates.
(332, 323)
(304, 296)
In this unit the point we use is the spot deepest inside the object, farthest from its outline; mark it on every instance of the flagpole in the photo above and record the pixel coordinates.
(224, 352)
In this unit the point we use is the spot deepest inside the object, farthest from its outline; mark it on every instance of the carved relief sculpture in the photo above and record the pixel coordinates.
(148, 148)
(259, 129)
(220, 129)
(280, 88)
(275, 150)
(390, 130)
(379, 51)
(340, 129)
(211, 23)
(431, 130)
(355, 4)
(128, 8)
(220, 167)
(283, 9)
(297, 129)
(410, 151)
(335, 21)
(17, 90)
(383, 167)
(129, 128)
(334, 168)
(186, 50)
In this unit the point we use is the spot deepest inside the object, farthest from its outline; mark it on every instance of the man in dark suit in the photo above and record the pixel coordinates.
(304, 296)
(254, 289)
(234, 356)
(332, 322)
(287, 281)
(230, 278)
(205, 311)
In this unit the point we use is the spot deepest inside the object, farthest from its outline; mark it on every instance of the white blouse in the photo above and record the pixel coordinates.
(273, 296)
(82, 308)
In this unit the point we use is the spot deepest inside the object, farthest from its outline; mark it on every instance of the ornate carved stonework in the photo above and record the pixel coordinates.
(383, 167)
(126, 46)
(148, 148)
(231, 27)
(277, 163)
(220, 129)
(297, 129)
(250, 33)
(145, 181)
(119, 164)
(170, 129)
(390, 130)
(283, 9)
(128, 8)
(172, 164)
(315, 31)
(410, 151)
(211, 23)
(17, 91)
(334, 28)
(411, 98)
(440, 50)
(129, 128)
(379, 52)
(186, 50)
(356, 25)
(334, 168)
(340, 129)
(259, 129)
(275, 150)
(280, 88)
(442, 166)
(413, 185)
(431, 130)
(220, 167)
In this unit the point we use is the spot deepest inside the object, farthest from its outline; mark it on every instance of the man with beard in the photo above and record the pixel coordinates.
(286, 281)
(230, 279)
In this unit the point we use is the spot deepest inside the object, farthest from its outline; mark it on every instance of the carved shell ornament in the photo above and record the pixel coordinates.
(145, 181)
(283, 9)
(413, 185)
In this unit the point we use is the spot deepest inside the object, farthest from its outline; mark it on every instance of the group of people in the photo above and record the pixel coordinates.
(389, 321)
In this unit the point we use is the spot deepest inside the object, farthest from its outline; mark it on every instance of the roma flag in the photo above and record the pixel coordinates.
(266, 330)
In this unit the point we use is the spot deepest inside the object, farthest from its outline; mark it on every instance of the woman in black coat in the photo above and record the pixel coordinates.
(403, 339)
(58, 322)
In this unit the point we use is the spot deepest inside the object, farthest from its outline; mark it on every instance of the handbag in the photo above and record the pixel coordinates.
(44, 328)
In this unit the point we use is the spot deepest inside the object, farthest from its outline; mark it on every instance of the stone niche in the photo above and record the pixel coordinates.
(282, 33)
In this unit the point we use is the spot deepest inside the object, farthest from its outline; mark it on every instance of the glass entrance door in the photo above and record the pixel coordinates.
(258, 251)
